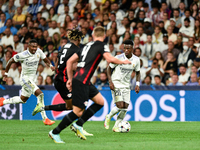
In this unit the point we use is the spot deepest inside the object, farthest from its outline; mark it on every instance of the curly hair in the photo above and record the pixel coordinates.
(74, 34)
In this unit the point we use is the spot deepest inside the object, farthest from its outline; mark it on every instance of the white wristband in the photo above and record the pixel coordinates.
(51, 65)
(6, 73)
(138, 83)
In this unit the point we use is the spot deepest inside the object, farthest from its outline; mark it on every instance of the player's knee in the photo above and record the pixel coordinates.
(119, 105)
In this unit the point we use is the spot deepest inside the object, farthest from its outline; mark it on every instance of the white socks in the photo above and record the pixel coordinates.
(13, 100)
(113, 112)
(120, 116)
(40, 99)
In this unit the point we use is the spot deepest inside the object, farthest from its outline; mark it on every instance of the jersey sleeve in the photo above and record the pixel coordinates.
(137, 66)
(20, 57)
(42, 55)
(79, 53)
(104, 49)
(113, 65)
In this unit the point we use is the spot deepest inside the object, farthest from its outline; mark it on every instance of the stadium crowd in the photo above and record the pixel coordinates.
(166, 35)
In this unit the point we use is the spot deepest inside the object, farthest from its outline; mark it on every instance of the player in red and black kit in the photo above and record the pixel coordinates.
(89, 58)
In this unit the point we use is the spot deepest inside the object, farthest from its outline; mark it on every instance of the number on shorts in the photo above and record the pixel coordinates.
(117, 93)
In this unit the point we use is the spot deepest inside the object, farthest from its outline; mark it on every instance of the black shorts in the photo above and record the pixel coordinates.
(62, 89)
(81, 93)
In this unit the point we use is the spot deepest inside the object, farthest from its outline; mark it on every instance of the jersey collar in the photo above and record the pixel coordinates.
(128, 58)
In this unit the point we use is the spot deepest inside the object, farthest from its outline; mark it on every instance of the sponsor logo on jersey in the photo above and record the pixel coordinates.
(17, 56)
(69, 95)
(124, 70)
(31, 63)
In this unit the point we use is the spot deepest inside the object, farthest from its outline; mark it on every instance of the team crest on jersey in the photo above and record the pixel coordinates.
(86, 103)
(37, 56)
(69, 95)
(133, 65)
(17, 56)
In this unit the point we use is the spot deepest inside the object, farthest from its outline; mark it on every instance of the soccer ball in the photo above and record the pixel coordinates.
(8, 111)
(124, 126)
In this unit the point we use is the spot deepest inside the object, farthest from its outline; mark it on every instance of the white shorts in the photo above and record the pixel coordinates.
(121, 95)
(28, 86)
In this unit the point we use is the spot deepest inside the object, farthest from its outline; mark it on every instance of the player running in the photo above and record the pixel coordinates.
(89, 58)
(29, 59)
(61, 77)
(119, 81)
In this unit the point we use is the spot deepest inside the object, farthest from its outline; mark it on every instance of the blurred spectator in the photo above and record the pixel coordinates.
(19, 18)
(56, 4)
(1, 52)
(61, 8)
(33, 9)
(3, 19)
(164, 9)
(10, 8)
(175, 81)
(1, 77)
(40, 80)
(157, 36)
(190, 19)
(24, 34)
(158, 55)
(103, 80)
(115, 41)
(154, 70)
(147, 80)
(142, 36)
(63, 41)
(24, 6)
(17, 46)
(142, 71)
(171, 36)
(48, 80)
(44, 8)
(43, 24)
(197, 29)
(194, 10)
(98, 17)
(56, 40)
(10, 81)
(54, 57)
(85, 39)
(102, 65)
(54, 29)
(177, 18)
(126, 36)
(169, 79)
(131, 17)
(10, 48)
(13, 72)
(122, 29)
(52, 15)
(162, 45)
(68, 23)
(49, 50)
(40, 38)
(105, 8)
(179, 44)
(187, 30)
(183, 77)
(61, 22)
(9, 25)
(170, 49)
(165, 20)
(162, 27)
(193, 81)
(7, 39)
(40, 71)
(172, 24)
(137, 43)
(156, 15)
(173, 4)
(119, 13)
(138, 52)
(112, 19)
(112, 49)
(149, 48)
(181, 9)
(148, 29)
(157, 80)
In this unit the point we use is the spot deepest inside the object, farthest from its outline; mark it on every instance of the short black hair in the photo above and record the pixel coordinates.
(157, 76)
(145, 5)
(187, 19)
(40, 29)
(182, 65)
(128, 42)
(32, 41)
(9, 46)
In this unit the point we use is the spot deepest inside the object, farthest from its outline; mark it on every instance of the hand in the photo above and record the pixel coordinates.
(137, 89)
(126, 62)
(112, 87)
(69, 85)
(5, 78)
(53, 68)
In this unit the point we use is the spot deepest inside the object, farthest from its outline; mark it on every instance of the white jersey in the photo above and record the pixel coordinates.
(121, 74)
(29, 62)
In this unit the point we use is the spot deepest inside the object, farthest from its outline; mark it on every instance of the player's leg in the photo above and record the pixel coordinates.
(66, 96)
(13, 100)
(114, 110)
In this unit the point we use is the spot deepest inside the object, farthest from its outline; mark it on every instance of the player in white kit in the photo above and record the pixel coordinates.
(119, 81)
(29, 60)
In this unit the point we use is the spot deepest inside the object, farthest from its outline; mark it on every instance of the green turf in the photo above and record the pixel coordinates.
(33, 135)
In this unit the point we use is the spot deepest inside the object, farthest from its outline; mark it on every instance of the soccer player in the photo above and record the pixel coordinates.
(29, 59)
(61, 77)
(89, 58)
(119, 81)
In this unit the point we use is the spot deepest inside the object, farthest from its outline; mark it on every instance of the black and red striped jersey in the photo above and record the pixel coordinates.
(64, 54)
(89, 57)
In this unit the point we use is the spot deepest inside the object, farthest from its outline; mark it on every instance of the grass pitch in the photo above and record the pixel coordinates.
(33, 135)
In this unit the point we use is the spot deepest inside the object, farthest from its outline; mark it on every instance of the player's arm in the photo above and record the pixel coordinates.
(73, 59)
(7, 68)
(56, 64)
(48, 63)
(110, 59)
(112, 87)
(137, 87)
